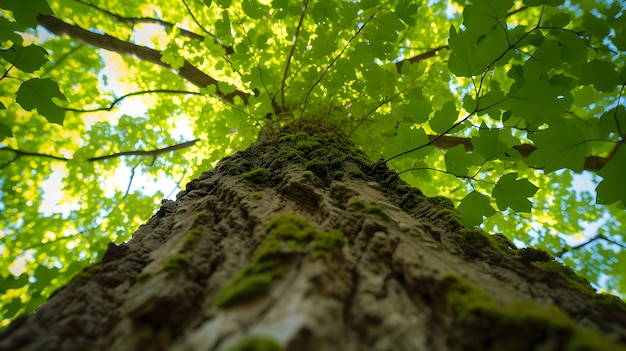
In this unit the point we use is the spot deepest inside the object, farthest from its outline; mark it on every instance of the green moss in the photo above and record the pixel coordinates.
(610, 299)
(231, 169)
(300, 235)
(355, 205)
(252, 281)
(287, 234)
(441, 201)
(450, 216)
(285, 138)
(257, 176)
(308, 175)
(411, 199)
(356, 174)
(337, 175)
(378, 212)
(191, 238)
(503, 244)
(288, 153)
(141, 276)
(358, 208)
(530, 254)
(477, 238)
(317, 166)
(201, 217)
(176, 262)
(464, 300)
(574, 279)
(585, 340)
(258, 195)
(307, 145)
(257, 343)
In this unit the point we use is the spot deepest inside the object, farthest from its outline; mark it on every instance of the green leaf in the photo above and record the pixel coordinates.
(573, 50)
(367, 4)
(223, 3)
(613, 121)
(171, 57)
(226, 88)
(253, 9)
(444, 118)
(9, 29)
(222, 26)
(534, 102)
(38, 93)
(602, 74)
(535, 3)
(28, 59)
(409, 138)
(26, 12)
(562, 145)
(481, 16)
(416, 107)
(406, 11)
(490, 103)
(464, 59)
(5, 130)
(488, 143)
(458, 162)
(492, 45)
(611, 189)
(474, 207)
(596, 26)
(558, 20)
(545, 58)
(514, 193)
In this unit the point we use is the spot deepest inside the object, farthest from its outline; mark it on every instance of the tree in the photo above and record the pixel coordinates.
(490, 108)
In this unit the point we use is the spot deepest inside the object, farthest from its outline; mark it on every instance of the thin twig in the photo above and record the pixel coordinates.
(294, 40)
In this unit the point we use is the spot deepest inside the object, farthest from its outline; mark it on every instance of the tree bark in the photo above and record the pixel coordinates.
(301, 243)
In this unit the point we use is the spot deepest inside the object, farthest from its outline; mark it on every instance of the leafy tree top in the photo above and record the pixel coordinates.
(497, 104)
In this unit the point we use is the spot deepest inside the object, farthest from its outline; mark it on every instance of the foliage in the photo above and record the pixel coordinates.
(494, 104)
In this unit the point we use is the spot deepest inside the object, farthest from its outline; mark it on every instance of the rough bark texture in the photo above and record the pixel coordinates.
(353, 259)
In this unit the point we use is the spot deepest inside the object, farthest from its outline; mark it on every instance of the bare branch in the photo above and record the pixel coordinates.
(144, 152)
(107, 42)
(148, 20)
(598, 236)
(444, 142)
(294, 39)
(421, 57)
(116, 101)
(19, 153)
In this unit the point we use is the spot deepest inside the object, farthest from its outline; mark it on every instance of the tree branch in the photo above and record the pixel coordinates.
(294, 39)
(19, 153)
(107, 42)
(137, 20)
(421, 57)
(444, 142)
(116, 101)
(598, 236)
(155, 152)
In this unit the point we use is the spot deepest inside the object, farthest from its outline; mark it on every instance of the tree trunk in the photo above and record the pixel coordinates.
(302, 243)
